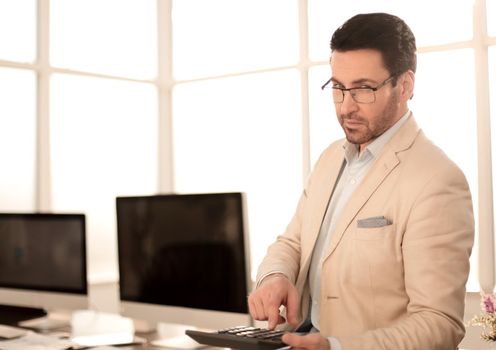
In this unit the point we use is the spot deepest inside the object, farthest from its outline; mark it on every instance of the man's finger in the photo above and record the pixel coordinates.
(252, 308)
(257, 309)
(292, 307)
(273, 315)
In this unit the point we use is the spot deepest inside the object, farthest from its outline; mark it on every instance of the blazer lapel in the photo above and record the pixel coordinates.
(324, 197)
(328, 175)
(379, 171)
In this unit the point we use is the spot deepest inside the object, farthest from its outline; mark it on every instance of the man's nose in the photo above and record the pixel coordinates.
(348, 105)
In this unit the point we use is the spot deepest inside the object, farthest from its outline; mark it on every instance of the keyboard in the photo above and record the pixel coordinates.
(241, 337)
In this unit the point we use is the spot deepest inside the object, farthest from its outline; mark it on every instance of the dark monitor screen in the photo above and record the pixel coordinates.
(43, 252)
(183, 250)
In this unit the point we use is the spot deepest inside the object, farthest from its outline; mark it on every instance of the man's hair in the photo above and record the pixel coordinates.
(388, 34)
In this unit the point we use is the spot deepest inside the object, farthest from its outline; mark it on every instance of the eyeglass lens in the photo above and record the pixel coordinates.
(358, 95)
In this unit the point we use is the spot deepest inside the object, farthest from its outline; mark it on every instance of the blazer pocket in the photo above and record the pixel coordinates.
(373, 233)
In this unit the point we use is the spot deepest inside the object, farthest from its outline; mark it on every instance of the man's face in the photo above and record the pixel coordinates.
(362, 123)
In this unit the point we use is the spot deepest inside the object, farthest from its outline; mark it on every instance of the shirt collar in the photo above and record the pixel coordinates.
(376, 146)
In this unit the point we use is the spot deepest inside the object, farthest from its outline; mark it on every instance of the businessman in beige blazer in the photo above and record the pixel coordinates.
(377, 253)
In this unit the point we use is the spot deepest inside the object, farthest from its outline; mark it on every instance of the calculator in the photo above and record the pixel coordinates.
(240, 337)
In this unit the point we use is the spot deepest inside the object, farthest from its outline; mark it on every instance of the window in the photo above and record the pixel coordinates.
(422, 16)
(110, 37)
(18, 28)
(241, 133)
(492, 109)
(227, 37)
(451, 126)
(225, 142)
(492, 86)
(324, 125)
(17, 139)
(147, 96)
(491, 17)
(103, 145)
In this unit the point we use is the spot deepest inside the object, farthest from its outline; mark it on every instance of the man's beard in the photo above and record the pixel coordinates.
(366, 133)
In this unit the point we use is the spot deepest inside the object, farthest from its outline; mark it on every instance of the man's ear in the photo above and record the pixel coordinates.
(407, 83)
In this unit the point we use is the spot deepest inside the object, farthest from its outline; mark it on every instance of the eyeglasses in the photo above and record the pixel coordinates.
(362, 94)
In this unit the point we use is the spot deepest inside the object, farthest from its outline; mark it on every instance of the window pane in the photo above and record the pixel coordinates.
(443, 81)
(17, 140)
(110, 37)
(18, 30)
(423, 17)
(324, 125)
(225, 36)
(104, 144)
(243, 134)
(492, 92)
(491, 17)
(492, 99)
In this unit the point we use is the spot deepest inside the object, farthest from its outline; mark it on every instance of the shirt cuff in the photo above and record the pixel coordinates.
(335, 344)
(260, 280)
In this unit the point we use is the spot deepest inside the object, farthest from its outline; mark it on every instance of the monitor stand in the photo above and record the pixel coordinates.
(173, 336)
(12, 315)
(50, 322)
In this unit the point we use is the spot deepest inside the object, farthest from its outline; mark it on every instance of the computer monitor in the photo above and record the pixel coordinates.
(42, 262)
(183, 259)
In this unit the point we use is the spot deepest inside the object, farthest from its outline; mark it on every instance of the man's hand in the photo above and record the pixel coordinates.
(274, 291)
(311, 341)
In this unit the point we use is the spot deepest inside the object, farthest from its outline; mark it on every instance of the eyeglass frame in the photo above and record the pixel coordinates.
(350, 90)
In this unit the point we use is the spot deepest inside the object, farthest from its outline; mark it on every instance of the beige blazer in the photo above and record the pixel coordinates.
(400, 285)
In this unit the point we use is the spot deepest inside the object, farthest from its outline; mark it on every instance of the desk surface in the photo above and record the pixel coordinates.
(149, 337)
(64, 334)
(12, 315)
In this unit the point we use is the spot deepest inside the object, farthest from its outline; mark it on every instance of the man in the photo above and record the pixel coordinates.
(377, 253)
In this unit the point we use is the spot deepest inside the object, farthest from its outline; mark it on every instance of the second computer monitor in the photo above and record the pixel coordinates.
(183, 258)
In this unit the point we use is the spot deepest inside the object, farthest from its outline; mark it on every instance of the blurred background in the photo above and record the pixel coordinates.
(106, 98)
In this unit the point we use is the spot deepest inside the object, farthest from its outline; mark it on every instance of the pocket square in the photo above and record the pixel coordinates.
(375, 221)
